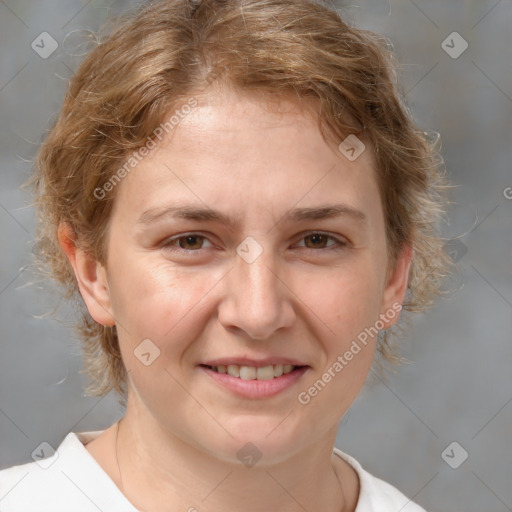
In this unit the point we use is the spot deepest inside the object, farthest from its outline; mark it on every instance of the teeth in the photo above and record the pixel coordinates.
(253, 372)
(248, 372)
(265, 373)
(234, 370)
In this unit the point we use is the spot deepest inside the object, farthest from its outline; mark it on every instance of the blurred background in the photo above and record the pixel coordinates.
(440, 427)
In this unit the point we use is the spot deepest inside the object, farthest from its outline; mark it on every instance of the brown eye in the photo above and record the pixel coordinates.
(191, 242)
(321, 241)
(316, 241)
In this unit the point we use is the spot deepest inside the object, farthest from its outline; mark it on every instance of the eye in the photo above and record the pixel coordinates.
(194, 242)
(190, 242)
(320, 241)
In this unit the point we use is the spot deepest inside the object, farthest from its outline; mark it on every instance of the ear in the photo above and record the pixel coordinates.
(396, 287)
(90, 275)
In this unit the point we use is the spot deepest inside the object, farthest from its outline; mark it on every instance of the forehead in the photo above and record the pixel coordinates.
(238, 150)
(249, 118)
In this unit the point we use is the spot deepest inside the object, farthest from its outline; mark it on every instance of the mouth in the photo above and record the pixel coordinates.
(255, 382)
(268, 372)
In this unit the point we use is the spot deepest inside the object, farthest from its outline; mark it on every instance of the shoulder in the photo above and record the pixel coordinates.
(376, 495)
(68, 480)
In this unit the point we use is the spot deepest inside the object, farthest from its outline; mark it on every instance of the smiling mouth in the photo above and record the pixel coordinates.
(254, 373)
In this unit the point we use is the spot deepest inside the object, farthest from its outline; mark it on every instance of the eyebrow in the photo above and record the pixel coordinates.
(210, 215)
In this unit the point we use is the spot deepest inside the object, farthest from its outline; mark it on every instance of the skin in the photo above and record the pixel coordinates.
(308, 298)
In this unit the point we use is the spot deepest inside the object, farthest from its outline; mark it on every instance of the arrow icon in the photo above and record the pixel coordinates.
(454, 455)
(454, 45)
(44, 455)
(249, 455)
(455, 249)
(44, 45)
(351, 147)
(146, 352)
(450, 454)
(249, 249)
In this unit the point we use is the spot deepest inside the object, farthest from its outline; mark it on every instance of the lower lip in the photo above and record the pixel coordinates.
(256, 388)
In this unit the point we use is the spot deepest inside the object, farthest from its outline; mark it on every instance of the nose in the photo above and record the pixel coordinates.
(257, 299)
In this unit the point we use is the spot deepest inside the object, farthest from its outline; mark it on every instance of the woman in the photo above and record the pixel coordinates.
(243, 203)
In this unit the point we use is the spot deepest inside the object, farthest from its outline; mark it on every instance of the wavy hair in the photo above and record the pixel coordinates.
(156, 58)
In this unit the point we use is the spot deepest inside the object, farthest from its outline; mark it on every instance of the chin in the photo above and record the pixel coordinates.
(264, 440)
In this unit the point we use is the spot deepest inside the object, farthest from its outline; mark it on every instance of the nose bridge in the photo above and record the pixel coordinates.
(256, 301)
(259, 282)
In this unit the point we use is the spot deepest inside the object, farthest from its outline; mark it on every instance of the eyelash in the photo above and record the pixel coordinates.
(169, 243)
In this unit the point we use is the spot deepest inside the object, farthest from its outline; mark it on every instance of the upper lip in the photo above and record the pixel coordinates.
(244, 361)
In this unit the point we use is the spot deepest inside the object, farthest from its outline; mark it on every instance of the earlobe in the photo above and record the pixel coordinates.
(396, 286)
(90, 275)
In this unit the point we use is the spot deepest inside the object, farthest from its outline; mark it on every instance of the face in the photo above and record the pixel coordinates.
(246, 240)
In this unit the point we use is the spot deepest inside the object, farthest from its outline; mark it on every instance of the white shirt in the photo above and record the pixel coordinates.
(71, 480)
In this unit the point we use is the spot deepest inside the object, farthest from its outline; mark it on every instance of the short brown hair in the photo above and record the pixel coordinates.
(167, 51)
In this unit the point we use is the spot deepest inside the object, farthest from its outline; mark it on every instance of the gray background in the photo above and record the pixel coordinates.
(458, 386)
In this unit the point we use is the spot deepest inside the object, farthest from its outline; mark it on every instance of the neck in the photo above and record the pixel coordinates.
(156, 468)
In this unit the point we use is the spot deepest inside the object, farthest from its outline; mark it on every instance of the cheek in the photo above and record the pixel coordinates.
(345, 307)
(345, 300)
(160, 303)
(170, 308)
